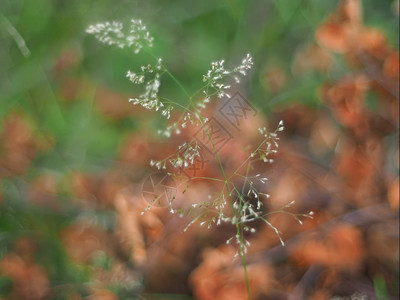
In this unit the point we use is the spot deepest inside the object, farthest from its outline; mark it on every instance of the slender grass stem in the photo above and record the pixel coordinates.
(238, 229)
(226, 182)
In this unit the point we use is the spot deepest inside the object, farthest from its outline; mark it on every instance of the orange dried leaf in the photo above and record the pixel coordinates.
(30, 280)
(393, 194)
(102, 295)
(355, 166)
(66, 61)
(43, 191)
(374, 42)
(350, 11)
(276, 79)
(17, 145)
(313, 57)
(332, 36)
(218, 277)
(82, 242)
(341, 248)
(115, 106)
(346, 99)
(391, 66)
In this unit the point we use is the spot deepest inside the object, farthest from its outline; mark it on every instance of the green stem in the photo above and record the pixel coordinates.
(19, 40)
(248, 158)
(176, 81)
(238, 229)
(226, 182)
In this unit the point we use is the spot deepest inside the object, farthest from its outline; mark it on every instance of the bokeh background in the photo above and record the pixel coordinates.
(74, 152)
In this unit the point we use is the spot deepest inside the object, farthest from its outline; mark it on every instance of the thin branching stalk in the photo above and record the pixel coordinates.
(215, 86)
(226, 183)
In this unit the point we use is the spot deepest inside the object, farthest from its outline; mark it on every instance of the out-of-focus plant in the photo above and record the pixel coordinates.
(238, 197)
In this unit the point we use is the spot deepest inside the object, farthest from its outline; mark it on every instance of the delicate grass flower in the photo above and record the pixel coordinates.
(114, 33)
(215, 77)
(246, 204)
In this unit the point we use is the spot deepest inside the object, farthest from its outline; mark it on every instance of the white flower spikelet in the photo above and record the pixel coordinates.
(149, 98)
(247, 64)
(270, 142)
(215, 77)
(114, 33)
